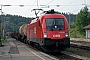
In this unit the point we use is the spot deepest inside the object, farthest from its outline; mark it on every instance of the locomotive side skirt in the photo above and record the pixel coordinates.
(52, 45)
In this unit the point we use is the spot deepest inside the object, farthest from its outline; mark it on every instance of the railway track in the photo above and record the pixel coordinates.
(64, 55)
(74, 56)
(59, 56)
(80, 43)
(80, 49)
(80, 46)
(67, 56)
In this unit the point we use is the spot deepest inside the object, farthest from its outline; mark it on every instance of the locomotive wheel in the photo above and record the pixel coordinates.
(39, 47)
(31, 43)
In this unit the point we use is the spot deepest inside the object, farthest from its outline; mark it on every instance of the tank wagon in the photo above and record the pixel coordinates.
(22, 33)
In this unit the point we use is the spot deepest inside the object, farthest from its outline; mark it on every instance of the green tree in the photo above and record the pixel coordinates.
(82, 20)
(72, 30)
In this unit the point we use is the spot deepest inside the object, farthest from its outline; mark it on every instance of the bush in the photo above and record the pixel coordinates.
(4, 39)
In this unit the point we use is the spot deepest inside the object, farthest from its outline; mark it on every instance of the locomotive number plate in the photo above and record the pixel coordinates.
(56, 35)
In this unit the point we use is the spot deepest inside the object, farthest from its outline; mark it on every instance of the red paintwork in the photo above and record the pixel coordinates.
(35, 31)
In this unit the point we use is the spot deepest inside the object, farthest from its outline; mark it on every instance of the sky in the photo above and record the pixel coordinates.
(66, 6)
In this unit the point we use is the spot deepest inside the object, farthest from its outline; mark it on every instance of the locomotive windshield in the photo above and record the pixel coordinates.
(55, 23)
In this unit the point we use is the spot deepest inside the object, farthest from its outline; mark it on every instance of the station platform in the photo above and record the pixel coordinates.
(16, 50)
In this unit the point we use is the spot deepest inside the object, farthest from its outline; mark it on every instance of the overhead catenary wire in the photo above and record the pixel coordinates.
(48, 4)
(68, 4)
(83, 5)
(31, 7)
(54, 5)
(42, 5)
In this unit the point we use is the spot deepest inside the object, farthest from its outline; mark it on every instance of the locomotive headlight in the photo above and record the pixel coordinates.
(66, 34)
(45, 34)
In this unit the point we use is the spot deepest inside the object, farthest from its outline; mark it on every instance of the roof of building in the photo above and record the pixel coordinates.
(87, 27)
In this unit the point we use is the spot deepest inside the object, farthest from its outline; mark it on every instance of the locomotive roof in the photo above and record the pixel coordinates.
(46, 14)
(51, 12)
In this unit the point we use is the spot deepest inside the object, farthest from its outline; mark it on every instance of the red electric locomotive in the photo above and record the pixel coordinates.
(49, 32)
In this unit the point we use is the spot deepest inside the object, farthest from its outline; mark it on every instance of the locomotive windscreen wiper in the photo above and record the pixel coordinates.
(52, 26)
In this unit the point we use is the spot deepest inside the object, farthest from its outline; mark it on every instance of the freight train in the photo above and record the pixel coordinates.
(48, 32)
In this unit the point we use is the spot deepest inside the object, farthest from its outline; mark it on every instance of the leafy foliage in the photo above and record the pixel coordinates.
(13, 22)
(73, 29)
(82, 20)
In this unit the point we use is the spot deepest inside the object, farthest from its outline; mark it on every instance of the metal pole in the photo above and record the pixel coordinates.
(4, 25)
(1, 28)
(69, 24)
(3, 21)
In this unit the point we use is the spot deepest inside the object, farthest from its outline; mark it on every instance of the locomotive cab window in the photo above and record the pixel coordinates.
(55, 23)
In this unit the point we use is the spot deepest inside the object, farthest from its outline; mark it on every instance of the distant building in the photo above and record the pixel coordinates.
(87, 28)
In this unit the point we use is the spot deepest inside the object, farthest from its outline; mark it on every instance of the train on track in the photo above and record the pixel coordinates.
(48, 32)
